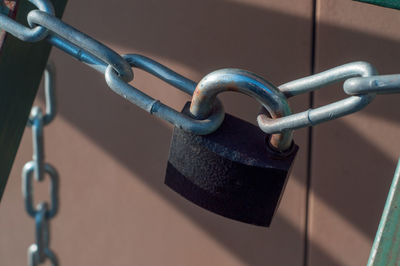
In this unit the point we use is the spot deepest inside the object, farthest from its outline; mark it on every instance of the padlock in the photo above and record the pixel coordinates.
(237, 171)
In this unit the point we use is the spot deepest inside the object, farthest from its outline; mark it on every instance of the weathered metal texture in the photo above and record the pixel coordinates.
(230, 172)
(8, 8)
(386, 248)
(19, 59)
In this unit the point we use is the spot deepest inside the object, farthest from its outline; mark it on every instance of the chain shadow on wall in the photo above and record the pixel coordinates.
(263, 41)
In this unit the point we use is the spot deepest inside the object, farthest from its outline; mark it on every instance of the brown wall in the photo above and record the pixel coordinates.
(111, 156)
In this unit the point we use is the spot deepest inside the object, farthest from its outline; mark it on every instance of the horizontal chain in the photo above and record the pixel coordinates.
(24, 33)
(85, 42)
(360, 79)
(383, 84)
(157, 108)
(324, 113)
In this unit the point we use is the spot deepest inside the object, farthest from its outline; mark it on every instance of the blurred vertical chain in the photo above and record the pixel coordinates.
(40, 251)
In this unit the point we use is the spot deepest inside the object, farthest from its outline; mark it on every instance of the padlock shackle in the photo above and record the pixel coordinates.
(247, 83)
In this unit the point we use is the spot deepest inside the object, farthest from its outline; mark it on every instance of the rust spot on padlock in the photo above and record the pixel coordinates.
(248, 83)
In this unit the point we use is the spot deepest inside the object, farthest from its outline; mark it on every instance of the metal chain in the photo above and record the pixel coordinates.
(327, 112)
(40, 251)
(360, 78)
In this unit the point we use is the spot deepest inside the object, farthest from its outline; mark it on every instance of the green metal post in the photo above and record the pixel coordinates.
(385, 3)
(386, 248)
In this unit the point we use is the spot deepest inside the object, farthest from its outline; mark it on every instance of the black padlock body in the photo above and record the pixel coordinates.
(230, 172)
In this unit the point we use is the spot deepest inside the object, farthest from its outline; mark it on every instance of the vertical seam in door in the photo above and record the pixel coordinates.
(310, 135)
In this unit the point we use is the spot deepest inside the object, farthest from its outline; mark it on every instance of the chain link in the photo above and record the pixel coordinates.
(24, 33)
(324, 113)
(40, 251)
(383, 84)
(50, 100)
(85, 42)
(157, 108)
(360, 79)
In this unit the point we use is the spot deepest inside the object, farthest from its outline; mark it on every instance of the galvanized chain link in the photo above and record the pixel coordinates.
(40, 251)
(325, 113)
(360, 78)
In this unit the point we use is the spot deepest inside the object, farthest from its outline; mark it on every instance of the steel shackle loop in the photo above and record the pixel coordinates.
(247, 83)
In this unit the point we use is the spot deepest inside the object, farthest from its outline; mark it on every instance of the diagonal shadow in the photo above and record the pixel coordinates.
(208, 35)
